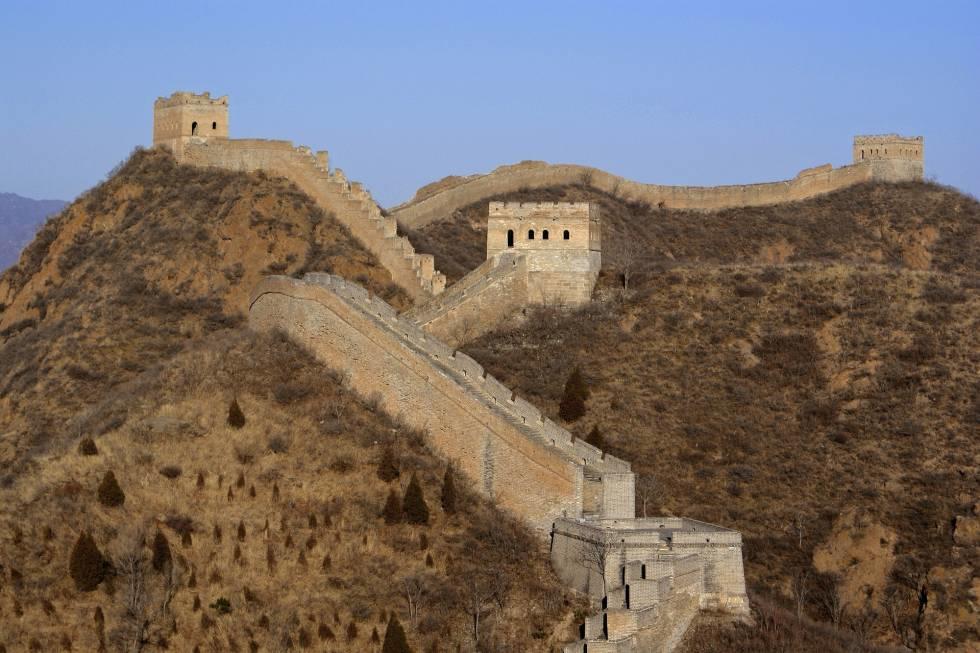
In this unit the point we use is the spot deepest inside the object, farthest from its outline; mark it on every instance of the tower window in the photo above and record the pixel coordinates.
(544, 235)
(214, 125)
(862, 154)
(565, 235)
(194, 128)
(530, 234)
(510, 238)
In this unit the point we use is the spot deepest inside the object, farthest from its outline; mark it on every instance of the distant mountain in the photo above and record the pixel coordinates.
(19, 219)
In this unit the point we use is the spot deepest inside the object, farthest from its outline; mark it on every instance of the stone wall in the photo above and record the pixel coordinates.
(476, 303)
(349, 202)
(463, 191)
(512, 453)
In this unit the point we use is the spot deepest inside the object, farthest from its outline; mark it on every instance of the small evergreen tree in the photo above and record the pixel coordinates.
(236, 418)
(448, 492)
(393, 508)
(86, 566)
(413, 505)
(110, 494)
(388, 465)
(87, 447)
(595, 438)
(351, 631)
(395, 640)
(161, 552)
(572, 406)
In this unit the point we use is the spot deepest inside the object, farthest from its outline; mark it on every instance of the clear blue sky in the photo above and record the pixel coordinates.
(405, 93)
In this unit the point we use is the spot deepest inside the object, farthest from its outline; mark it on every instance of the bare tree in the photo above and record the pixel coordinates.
(627, 255)
(416, 591)
(593, 555)
(801, 589)
(830, 598)
(799, 527)
(476, 598)
(648, 493)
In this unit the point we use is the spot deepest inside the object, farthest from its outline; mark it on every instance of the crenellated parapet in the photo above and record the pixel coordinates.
(503, 443)
(441, 199)
(195, 129)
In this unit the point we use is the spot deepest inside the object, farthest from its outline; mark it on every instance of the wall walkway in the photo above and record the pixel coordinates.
(350, 202)
(441, 199)
(512, 452)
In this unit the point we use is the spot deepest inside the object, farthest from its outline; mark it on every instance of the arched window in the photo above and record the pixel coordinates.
(194, 128)
(530, 234)
(510, 238)
(544, 235)
(862, 154)
(214, 125)
(565, 235)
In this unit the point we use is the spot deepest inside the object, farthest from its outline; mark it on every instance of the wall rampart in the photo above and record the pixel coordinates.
(476, 303)
(349, 202)
(508, 179)
(511, 451)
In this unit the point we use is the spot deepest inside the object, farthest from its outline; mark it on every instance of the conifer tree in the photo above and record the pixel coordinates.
(388, 465)
(572, 406)
(393, 508)
(395, 640)
(87, 447)
(86, 566)
(413, 505)
(236, 418)
(595, 438)
(109, 493)
(161, 552)
(448, 492)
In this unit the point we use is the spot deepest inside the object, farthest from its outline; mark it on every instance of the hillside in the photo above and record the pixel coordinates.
(123, 323)
(19, 219)
(806, 373)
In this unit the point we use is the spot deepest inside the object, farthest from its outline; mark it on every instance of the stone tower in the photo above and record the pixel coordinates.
(892, 157)
(561, 241)
(188, 117)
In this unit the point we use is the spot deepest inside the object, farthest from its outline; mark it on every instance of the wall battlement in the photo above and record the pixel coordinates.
(195, 128)
(512, 451)
(439, 200)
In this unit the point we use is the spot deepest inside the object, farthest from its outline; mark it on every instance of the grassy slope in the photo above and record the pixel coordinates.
(124, 322)
(786, 365)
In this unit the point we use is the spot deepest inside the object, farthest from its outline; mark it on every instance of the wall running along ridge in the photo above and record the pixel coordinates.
(195, 128)
(476, 303)
(442, 199)
(658, 572)
(513, 453)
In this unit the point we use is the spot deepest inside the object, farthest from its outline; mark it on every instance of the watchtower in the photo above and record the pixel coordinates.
(185, 117)
(561, 241)
(893, 157)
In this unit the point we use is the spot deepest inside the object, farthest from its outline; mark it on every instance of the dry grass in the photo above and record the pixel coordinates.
(141, 266)
(251, 539)
(774, 367)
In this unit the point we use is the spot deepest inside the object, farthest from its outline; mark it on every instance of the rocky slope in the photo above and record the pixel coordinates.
(806, 373)
(123, 323)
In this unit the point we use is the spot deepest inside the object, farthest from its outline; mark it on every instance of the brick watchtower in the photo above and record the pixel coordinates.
(891, 157)
(188, 117)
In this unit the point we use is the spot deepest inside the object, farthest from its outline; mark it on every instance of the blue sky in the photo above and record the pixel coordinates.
(405, 93)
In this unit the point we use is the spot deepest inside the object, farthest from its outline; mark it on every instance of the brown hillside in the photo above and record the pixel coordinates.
(138, 267)
(275, 531)
(122, 346)
(806, 373)
(916, 225)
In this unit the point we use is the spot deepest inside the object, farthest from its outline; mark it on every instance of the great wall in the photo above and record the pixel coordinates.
(648, 577)
(887, 157)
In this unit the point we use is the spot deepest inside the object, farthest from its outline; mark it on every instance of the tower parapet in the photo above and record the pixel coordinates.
(561, 241)
(892, 157)
(184, 117)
